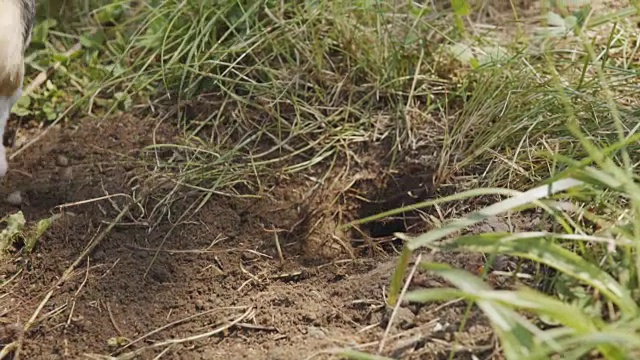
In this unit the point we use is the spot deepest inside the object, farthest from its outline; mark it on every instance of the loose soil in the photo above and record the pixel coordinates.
(215, 285)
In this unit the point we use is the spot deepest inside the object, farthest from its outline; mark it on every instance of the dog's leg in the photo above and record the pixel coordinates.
(6, 103)
(5, 110)
(16, 23)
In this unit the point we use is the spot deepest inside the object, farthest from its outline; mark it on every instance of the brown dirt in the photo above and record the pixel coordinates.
(220, 266)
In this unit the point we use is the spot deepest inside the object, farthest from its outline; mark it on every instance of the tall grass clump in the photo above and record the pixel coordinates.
(566, 124)
(266, 86)
(270, 86)
(598, 269)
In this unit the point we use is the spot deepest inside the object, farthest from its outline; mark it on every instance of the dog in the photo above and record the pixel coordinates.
(16, 26)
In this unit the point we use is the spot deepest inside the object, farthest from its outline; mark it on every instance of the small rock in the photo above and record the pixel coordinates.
(11, 268)
(128, 166)
(15, 198)
(501, 263)
(161, 275)
(249, 256)
(98, 255)
(313, 319)
(66, 174)
(200, 304)
(62, 160)
(316, 332)
(405, 318)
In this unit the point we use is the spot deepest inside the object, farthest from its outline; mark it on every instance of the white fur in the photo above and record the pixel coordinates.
(11, 66)
(6, 103)
(11, 41)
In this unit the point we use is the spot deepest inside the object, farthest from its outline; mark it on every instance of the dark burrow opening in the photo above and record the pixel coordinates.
(393, 192)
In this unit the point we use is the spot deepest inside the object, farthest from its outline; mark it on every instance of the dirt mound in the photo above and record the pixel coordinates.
(237, 280)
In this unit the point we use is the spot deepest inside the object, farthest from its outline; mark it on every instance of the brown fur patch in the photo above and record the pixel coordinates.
(10, 82)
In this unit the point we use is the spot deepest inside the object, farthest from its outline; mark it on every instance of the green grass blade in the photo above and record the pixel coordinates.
(540, 250)
(455, 197)
(569, 316)
(515, 332)
(398, 276)
(472, 288)
(493, 210)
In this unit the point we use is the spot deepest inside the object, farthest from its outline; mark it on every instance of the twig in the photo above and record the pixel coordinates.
(166, 350)
(95, 242)
(8, 349)
(86, 277)
(164, 239)
(10, 280)
(275, 234)
(395, 309)
(83, 202)
(28, 325)
(257, 327)
(171, 342)
(207, 334)
(177, 322)
(113, 320)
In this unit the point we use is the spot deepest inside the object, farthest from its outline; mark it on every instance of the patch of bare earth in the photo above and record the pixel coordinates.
(243, 278)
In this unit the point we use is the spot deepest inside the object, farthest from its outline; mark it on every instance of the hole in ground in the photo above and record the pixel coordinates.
(394, 192)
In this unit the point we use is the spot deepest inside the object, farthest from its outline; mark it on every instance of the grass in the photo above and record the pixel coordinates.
(264, 89)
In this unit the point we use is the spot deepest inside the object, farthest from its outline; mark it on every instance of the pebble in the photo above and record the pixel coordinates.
(200, 304)
(316, 332)
(249, 256)
(161, 275)
(66, 174)
(62, 160)
(405, 318)
(98, 255)
(10, 268)
(15, 198)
